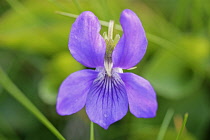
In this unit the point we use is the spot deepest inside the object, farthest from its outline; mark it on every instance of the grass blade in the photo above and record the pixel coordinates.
(165, 124)
(183, 126)
(11, 88)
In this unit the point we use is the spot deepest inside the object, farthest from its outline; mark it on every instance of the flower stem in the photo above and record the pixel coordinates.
(92, 131)
(165, 124)
(12, 89)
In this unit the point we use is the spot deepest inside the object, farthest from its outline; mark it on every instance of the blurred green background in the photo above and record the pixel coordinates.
(34, 53)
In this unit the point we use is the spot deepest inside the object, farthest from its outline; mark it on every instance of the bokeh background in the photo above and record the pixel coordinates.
(34, 53)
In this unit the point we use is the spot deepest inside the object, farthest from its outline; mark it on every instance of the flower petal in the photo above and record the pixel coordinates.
(107, 100)
(133, 43)
(73, 91)
(141, 95)
(85, 43)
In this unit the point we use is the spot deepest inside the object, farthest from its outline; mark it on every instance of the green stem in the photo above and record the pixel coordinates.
(92, 131)
(165, 124)
(183, 126)
(20, 97)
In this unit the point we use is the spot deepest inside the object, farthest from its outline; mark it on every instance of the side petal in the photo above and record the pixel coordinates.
(73, 91)
(86, 45)
(107, 100)
(141, 96)
(133, 43)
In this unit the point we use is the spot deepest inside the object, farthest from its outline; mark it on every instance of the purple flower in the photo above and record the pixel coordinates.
(107, 92)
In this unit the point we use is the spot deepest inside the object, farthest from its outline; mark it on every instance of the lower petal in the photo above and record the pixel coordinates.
(141, 96)
(73, 91)
(107, 100)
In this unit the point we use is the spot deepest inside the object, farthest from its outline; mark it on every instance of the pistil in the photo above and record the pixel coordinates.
(109, 49)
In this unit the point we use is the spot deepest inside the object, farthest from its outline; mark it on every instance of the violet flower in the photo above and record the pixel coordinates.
(107, 92)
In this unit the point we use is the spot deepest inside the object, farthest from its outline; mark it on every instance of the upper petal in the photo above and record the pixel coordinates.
(73, 91)
(85, 43)
(141, 95)
(107, 100)
(133, 43)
